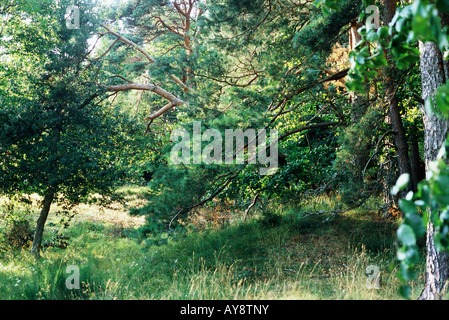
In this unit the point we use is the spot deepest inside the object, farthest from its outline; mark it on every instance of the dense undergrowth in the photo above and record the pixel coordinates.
(276, 254)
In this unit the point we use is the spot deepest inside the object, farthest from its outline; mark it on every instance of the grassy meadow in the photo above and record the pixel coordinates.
(282, 254)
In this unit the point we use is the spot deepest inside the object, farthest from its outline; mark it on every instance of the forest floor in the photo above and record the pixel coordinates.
(285, 255)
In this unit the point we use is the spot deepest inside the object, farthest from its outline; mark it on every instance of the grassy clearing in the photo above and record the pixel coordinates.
(282, 255)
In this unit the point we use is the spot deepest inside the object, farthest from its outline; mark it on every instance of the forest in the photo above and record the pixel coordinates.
(224, 150)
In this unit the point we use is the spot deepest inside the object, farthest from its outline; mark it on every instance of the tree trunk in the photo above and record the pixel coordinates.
(416, 163)
(437, 269)
(435, 130)
(39, 230)
(185, 10)
(400, 140)
(358, 110)
(394, 115)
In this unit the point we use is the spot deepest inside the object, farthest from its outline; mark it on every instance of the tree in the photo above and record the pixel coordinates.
(56, 138)
(175, 23)
(260, 64)
(394, 112)
(250, 60)
(434, 75)
(421, 22)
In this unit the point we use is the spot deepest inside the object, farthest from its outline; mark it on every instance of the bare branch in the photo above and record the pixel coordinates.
(251, 206)
(163, 110)
(184, 87)
(107, 51)
(212, 196)
(174, 101)
(131, 43)
(312, 126)
(121, 77)
(170, 28)
(147, 87)
(180, 11)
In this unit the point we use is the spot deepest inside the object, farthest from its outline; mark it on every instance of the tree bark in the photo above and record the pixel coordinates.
(185, 9)
(358, 110)
(437, 269)
(400, 140)
(394, 113)
(39, 230)
(435, 130)
(416, 163)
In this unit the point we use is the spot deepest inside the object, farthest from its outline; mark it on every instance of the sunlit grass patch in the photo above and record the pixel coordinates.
(279, 254)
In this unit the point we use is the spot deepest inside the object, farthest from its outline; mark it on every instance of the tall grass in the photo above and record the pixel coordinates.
(281, 255)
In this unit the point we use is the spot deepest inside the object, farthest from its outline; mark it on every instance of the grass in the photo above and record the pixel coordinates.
(278, 255)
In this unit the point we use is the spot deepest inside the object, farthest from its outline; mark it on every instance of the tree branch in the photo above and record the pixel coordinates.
(173, 100)
(308, 127)
(251, 206)
(214, 194)
(131, 43)
(164, 109)
(312, 126)
(184, 87)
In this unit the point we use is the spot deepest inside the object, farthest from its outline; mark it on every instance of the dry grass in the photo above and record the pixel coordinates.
(114, 214)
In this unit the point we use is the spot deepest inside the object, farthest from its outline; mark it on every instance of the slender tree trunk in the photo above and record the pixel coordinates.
(39, 230)
(433, 75)
(185, 10)
(400, 139)
(416, 163)
(188, 46)
(394, 114)
(358, 110)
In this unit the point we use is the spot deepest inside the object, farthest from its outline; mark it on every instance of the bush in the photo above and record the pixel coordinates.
(270, 219)
(19, 234)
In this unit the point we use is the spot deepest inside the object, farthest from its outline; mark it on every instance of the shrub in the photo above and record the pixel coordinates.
(270, 219)
(19, 234)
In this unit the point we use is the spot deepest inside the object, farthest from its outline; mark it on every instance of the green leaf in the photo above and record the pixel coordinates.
(424, 192)
(383, 32)
(416, 222)
(355, 83)
(406, 272)
(412, 255)
(406, 235)
(444, 215)
(408, 206)
(406, 60)
(438, 242)
(441, 200)
(408, 255)
(401, 183)
(404, 291)
(442, 99)
(441, 185)
(429, 107)
(372, 36)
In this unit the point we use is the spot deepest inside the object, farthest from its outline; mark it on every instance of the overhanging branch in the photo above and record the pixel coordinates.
(131, 43)
(173, 100)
